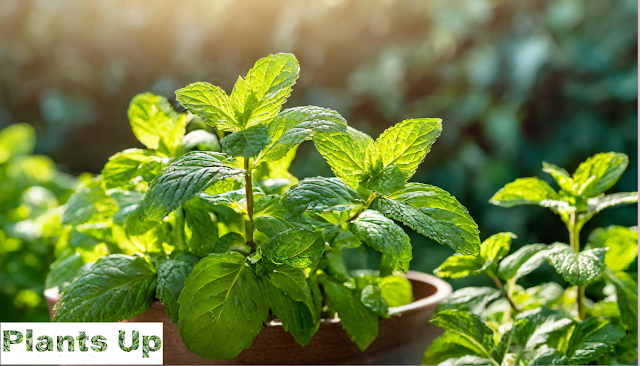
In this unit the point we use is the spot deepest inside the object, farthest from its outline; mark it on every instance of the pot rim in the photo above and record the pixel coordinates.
(443, 290)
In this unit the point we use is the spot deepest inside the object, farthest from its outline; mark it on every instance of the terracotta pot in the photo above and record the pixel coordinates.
(402, 339)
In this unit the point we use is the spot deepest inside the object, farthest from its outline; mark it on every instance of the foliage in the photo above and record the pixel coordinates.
(546, 324)
(31, 192)
(226, 237)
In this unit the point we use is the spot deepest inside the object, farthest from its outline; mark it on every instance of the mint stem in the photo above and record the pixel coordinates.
(248, 225)
(366, 206)
(574, 239)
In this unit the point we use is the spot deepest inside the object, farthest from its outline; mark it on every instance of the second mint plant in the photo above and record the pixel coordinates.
(278, 251)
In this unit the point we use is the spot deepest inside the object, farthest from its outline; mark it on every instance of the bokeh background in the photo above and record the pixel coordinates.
(515, 82)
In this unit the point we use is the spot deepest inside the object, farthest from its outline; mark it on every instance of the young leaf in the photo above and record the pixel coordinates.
(259, 97)
(127, 201)
(383, 235)
(548, 356)
(599, 173)
(184, 178)
(469, 326)
(199, 140)
(223, 299)
(396, 290)
(89, 204)
(493, 249)
(398, 152)
(146, 234)
(171, 276)
(447, 346)
(591, 339)
(201, 232)
(295, 125)
(469, 360)
(528, 191)
(123, 166)
(155, 123)
(597, 204)
(318, 195)
(360, 322)
(291, 300)
(523, 261)
(560, 175)
(345, 153)
(116, 287)
(16, 140)
(577, 268)
(457, 266)
(470, 299)
(371, 297)
(296, 247)
(246, 142)
(211, 103)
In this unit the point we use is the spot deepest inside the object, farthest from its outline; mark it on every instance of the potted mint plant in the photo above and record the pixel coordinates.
(244, 258)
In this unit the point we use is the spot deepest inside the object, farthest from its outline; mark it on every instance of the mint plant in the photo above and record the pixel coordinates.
(227, 238)
(547, 324)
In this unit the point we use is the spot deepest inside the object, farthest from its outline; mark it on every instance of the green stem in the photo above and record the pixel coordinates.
(574, 239)
(512, 302)
(248, 224)
(363, 208)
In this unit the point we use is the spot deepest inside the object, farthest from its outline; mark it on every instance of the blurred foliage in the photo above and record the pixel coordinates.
(31, 192)
(516, 83)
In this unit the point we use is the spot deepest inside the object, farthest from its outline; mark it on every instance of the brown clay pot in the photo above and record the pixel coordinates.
(402, 338)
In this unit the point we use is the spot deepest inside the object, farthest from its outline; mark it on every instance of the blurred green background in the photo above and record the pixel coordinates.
(515, 82)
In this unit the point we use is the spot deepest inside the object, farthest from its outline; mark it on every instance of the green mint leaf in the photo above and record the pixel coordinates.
(360, 322)
(184, 178)
(371, 297)
(560, 175)
(89, 204)
(116, 287)
(200, 230)
(434, 213)
(232, 242)
(528, 191)
(493, 249)
(345, 152)
(591, 339)
(383, 235)
(155, 123)
(599, 173)
(469, 360)
(70, 263)
(597, 204)
(396, 290)
(458, 266)
(396, 154)
(470, 299)
(127, 202)
(543, 323)
(211, 103)
(171, 276)
(123, 167)
(448, 346)
(627, 296)
(222, 298)
(269, 216)
(523, 261)
(199, 140)
(259, 96)
(548, 356)
(295, 125)
(16, 140)
(577, 268)
(246, 142)
(469, 326)
(296, 247)
(320, 194)
(292, 301)
(146, 234)
(622, 243)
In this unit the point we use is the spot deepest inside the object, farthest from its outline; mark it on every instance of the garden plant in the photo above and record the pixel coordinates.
(547, 324)
(31, 192)
(212, 224)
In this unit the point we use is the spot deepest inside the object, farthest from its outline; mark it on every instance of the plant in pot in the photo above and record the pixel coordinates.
(546, 324)
(276, 250)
